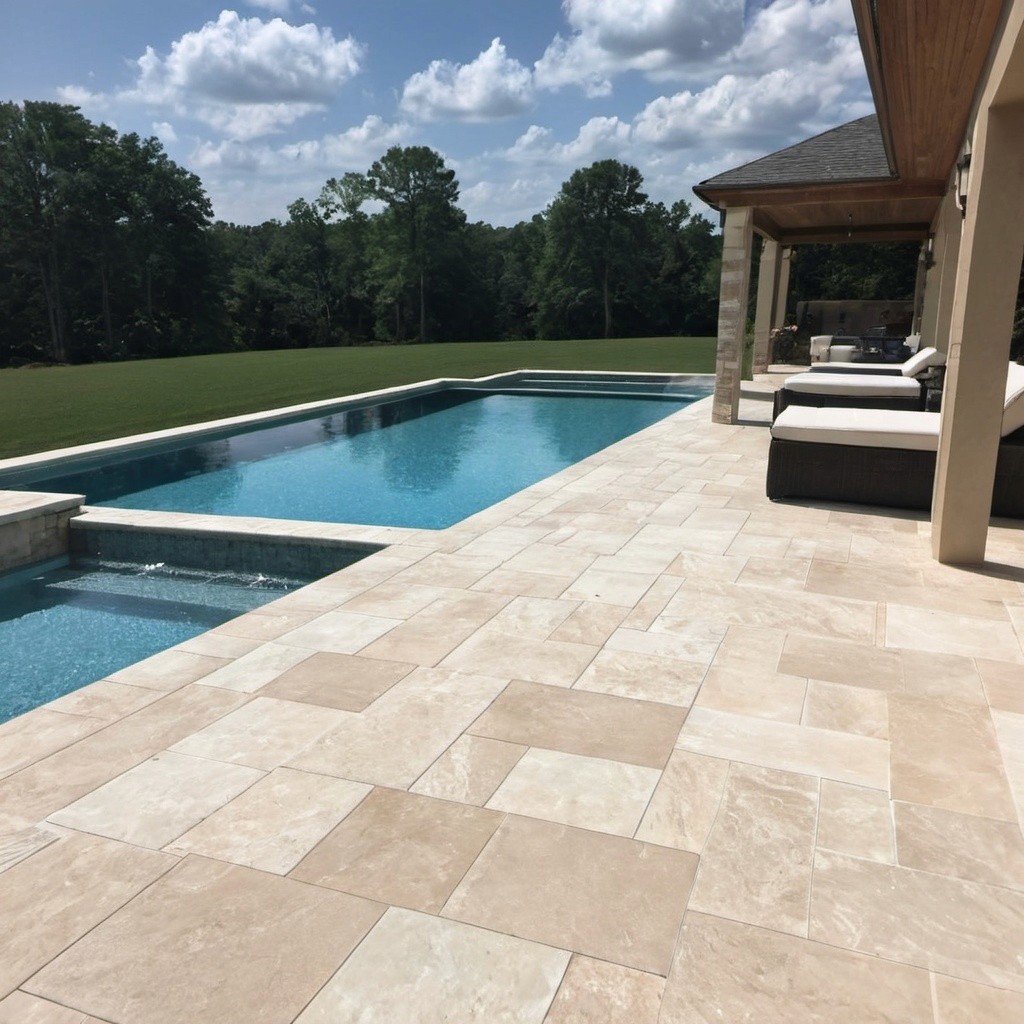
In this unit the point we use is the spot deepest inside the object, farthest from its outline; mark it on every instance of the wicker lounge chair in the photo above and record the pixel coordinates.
(879, 457)
(917, 364)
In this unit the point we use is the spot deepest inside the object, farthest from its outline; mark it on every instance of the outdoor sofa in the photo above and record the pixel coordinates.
(862, 386)
(884, 457)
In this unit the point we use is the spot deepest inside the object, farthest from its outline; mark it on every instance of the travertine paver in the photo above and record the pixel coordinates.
(808, 736)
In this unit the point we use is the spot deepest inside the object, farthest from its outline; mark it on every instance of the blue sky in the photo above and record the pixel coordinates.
(266, 99)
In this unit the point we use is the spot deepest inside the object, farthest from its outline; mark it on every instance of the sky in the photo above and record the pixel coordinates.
(267, 99)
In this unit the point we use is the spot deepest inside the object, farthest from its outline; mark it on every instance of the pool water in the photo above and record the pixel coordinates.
(425, 462)
(64, 627)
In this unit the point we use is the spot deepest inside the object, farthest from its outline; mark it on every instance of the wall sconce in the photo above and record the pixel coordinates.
(963, 174)
(927, 256)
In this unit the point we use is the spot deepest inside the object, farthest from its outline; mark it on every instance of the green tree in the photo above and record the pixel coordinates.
(420, 221)
(593, 226)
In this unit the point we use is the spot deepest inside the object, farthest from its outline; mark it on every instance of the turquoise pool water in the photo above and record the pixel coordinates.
(423, 462)
(64, 627)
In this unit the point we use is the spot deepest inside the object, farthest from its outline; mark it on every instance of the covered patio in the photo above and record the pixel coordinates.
(942, 162)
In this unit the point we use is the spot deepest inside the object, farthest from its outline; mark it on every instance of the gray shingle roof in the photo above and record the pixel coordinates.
(851, 152)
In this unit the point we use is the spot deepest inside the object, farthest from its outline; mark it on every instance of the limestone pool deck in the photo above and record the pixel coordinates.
(634, 745)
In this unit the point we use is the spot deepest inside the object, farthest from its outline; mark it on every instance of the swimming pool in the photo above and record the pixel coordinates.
(426, 461)
(63, 626)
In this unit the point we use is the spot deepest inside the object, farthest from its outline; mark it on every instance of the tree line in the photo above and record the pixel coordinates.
(108, 251)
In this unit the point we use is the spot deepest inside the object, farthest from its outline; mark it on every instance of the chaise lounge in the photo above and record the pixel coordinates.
(876, 386)
(884, 457)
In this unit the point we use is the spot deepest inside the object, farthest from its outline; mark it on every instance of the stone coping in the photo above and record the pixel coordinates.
(16, 506)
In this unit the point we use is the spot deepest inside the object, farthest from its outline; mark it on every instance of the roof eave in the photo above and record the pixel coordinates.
(863, 13)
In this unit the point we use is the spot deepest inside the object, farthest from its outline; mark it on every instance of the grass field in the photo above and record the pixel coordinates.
(53, 407)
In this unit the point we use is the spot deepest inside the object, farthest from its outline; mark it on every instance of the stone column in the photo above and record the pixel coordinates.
(782, 286)
(979, 339)
(767, 296)
(737, 241)
(941, 281)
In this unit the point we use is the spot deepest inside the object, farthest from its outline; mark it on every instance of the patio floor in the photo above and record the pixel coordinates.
(634, 745)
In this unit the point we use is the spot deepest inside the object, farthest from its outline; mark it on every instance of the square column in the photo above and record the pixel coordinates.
(737, 242)
(782, 286)
(767, 296)
(979, 341)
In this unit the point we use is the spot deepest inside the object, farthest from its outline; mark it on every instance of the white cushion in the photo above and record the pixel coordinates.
(866, 428)
(853, 384)
(866, 369)
(1013, 405)
(913, 342)
(920, 362)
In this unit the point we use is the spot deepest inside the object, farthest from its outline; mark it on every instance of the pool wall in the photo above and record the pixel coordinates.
(35, 527)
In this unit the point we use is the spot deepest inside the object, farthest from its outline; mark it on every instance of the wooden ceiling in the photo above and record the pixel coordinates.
(925, 60)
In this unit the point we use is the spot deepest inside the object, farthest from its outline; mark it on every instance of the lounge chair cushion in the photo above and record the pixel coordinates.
(1013, 406)
(853, 384)
(920, 361)
(862, 428)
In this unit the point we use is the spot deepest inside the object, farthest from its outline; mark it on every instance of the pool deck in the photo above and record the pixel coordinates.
(635, 745)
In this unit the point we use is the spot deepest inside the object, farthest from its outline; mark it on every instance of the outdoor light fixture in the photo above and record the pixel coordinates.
(963, 174)
(928, 253)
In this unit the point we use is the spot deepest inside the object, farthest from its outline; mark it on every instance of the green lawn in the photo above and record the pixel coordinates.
(52, 407)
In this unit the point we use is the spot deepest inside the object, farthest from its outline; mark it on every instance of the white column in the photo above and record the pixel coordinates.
(979, 341)
(737, 242)
(941, 281)
(782, 286)
(767, 294)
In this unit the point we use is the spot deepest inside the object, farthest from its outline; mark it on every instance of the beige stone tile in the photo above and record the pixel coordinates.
(729, 972)
(590, 724)
(856, 821)
(441, 569)
(219, 645)
(470, 770)
(436, 631)
(104, 700)
(963, 929)
(21, 1008)
(346, 682)
(400, 848)
(394, 600)
(685, 802)
(859, 760)
(265, 623)
(158, 800)
(642, 677)
(924, 734)
(275, 823)
(39, 733)
(953, 676)
(778, 573)
(545, 558)
(532, 618)
(756, 863)
(59, 893)
(263, 734)
(395, 740)
(65, 776)
(671, 638)
(589, 792)
(652, 604)
(16, 846)
(732, 604)
(149, 961)
(168, 670)
(591, 624)
(707, 567)
(252, 671)
(961, 845)
(764, 694)
(341, 632)
(519, 583)
(595, 992)
(962, 1002)
(750, 649)
(619, 588)
(604, 896)
(854, 709)
(950, 633)
(1004, 684)
(836, 661)
(504, 655)
(418, 969)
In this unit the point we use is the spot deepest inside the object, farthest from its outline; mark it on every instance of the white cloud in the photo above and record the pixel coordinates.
(612, 36)
(600, 138)
(274, 6)
(243, 76)
(165, 132)
(490, 87)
